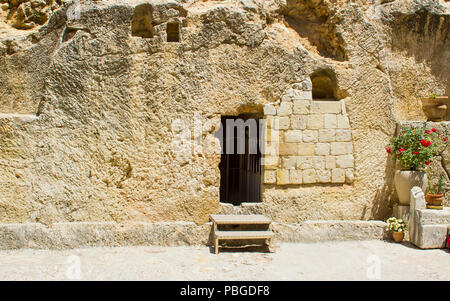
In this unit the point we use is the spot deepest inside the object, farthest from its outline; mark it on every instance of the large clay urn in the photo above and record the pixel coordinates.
(405, 180)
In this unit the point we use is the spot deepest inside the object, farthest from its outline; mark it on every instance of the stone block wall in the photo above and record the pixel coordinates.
(307, 141)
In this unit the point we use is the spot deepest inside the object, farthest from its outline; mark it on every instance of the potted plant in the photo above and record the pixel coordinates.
(435, 107)
(415, 148)
(398, 227)
(436, 193)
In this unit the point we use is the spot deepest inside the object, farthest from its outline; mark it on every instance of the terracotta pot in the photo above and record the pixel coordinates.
(405, 180)
(435, 108)
(398, 236)
(434, 199)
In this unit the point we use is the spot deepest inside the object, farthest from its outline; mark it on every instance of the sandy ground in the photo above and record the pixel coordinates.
(353, 260)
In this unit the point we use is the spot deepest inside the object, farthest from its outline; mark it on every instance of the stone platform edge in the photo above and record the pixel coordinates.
(109, 234)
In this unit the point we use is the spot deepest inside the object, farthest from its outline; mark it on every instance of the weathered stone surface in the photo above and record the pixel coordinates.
(428, 228)
(301, 106)
(322, 149)
(101, 147)
(344, 161)
(293, 136)
(298, 122)
(295, 176)
(282, 176)
(326, 107)
(81, 235)
(310, 135)
(313, 231)
(314, 122)
(270, 176)
(432, 236)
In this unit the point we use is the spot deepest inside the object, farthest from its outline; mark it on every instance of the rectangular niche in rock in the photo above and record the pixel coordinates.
(141, 24)
(173, 32)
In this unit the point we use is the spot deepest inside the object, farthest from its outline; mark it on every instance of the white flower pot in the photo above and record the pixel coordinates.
(405, 180)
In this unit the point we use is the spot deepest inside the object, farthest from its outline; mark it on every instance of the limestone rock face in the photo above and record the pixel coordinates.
(27, 14)
(93, 102)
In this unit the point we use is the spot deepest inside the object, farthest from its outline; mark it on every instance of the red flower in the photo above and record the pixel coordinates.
(434, 130)
(401, 150)
(425, 143)
(427, 162)
(445, 139)
(428, 132)
(416, 153)
(388, 149)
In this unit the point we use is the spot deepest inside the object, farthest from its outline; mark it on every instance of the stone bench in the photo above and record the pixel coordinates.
(428, 228)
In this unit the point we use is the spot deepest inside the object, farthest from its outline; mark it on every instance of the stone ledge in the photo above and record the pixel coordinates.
(91, 234)
(314, 231)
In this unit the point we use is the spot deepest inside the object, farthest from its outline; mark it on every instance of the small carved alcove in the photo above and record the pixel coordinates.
(173, 32)
(141, 24)
(324, 85)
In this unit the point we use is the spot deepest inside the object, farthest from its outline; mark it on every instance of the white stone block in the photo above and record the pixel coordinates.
(270, 109)
(301, 107)
(314, 122)
(325, 107)
(338, 175)
(293, 136)
(344, 161)
(343, 122)
(282, 177)
(285, 108)
(305, 162)
(310, 135)
(270, 162)
(330, 121)
(289, 162)
(309, 176)
(302, 95)
(343, 135)
(322, 149)
(323, 176)
(330, 162)
(327, 135)
(298, 122)
(296, 176)
(305, 85)
(432, 236)
(319, 162)
(341, 148)
(270, 177)
(283, 123)
(349, 176)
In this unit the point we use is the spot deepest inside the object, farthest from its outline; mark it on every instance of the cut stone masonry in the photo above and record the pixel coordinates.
(307, 141)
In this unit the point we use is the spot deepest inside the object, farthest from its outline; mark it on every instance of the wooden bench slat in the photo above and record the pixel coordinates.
(256, 219)
(243, 234)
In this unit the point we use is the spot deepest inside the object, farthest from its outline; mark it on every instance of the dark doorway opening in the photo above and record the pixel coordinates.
(240, 164)
(173, 32)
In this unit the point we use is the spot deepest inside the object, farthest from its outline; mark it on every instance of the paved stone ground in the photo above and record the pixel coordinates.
(353, 260)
